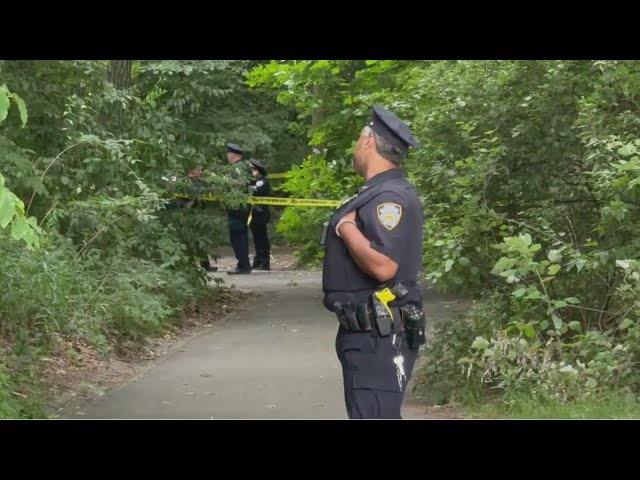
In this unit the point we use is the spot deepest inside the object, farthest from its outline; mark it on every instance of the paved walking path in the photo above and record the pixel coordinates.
(275, 360)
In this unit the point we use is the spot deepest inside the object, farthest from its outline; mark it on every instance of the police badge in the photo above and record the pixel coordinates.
(389, 215)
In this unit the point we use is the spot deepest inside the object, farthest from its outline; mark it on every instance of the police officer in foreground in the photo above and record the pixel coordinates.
(238, 218)
(373, 254)
(260, 217)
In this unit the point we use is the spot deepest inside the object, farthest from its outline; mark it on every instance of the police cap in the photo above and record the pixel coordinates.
(391, 128)
(258, 165)
(235, 148)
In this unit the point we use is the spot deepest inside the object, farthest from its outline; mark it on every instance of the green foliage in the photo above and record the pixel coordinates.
(313, 178)
(18, 399)
(93, 175)
(11, 207)
(6, 97)
(331, 105)
(87, 295)
(613, 406)
(12, 214)
(528, 173)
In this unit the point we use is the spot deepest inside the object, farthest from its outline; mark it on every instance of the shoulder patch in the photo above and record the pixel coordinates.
(389, 214)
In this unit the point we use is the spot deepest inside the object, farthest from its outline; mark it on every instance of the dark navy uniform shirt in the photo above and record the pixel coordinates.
(261, 187)
(392, 221)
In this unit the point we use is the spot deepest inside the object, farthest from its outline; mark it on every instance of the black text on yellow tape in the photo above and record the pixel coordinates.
(294, 202)
(282, 202)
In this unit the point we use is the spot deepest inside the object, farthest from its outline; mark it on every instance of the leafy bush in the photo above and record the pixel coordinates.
(528, 173)
(18, 398)
(115, 256)
(302, 227)
(535, 341)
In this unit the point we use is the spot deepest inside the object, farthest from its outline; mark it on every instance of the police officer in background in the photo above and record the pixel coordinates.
(373, 254)
(260, 217)
(238, 218)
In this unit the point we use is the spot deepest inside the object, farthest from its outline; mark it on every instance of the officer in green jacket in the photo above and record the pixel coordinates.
(238, 218)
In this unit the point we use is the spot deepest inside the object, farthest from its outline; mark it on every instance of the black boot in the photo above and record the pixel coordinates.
(239, 271)
(261, 265)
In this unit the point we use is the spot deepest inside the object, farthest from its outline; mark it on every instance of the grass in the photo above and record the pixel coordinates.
(613, 407)
(20, 393)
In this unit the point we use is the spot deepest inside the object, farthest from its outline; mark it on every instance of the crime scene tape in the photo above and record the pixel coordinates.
(283, 202)
(294, 202)
(280, 175)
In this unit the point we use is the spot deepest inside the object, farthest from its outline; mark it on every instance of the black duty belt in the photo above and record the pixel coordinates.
(362, 318)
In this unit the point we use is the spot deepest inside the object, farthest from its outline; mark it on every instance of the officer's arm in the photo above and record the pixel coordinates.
(377, 252)
(262, 188)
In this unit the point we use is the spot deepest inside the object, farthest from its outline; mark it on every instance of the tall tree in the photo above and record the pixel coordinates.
(119, 73)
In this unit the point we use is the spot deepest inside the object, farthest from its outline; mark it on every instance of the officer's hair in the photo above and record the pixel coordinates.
(385, 148)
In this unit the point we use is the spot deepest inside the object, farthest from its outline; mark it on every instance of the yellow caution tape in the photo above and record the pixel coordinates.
(294, 202)
(283, 202)
(280, 175)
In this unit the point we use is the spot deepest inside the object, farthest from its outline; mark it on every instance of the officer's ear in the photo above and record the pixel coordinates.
(369, 140)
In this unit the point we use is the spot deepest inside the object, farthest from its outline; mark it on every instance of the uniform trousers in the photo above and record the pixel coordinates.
(371, 389)
(239, 238)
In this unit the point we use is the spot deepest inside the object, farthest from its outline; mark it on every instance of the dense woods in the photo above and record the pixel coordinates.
(90, 152)
(528, 174)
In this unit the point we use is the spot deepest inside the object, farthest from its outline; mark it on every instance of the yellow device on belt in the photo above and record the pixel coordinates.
(385, 296)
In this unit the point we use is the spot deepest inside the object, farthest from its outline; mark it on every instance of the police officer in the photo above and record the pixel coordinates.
(238, 218)
(373, 254)
(260, 217)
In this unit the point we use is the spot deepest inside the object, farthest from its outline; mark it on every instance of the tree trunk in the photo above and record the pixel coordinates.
(120, 73)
